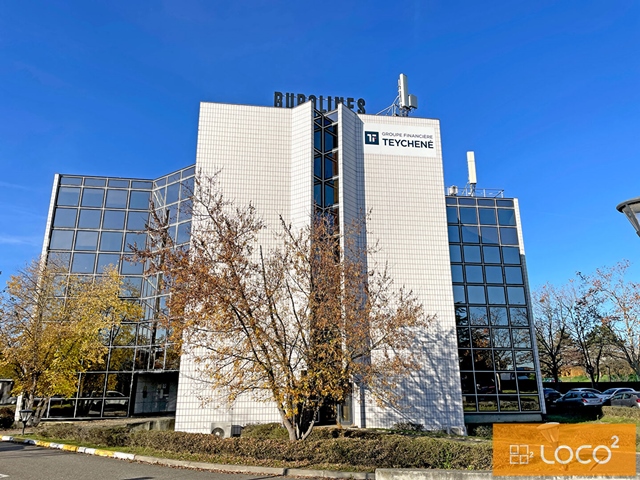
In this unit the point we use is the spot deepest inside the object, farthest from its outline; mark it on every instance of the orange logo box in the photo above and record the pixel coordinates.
(559, 449)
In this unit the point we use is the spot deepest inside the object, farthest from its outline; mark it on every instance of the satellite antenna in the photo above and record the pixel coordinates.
(471, 166)
(404, 102)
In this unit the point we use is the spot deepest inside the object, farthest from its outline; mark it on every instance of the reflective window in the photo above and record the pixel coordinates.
(480, 338)
(92, 197)
(330, 141)
(450, 201)
(508, 236)
(107, 259)
(317, 140)
(464, 337)
(113, 220)
(491, 254)
(137, 220)
(174, 177)
(476, 294)
(514, 275)
(518, 316)
(483, 360)
(489, 234)
(527, 383)
(487, 403)
(524, 360)
(508, 403)
(505, 203)
(468, 215)
(456, 274)
(474, 274)
(330, 168)
(139, 200)
(131, 268)
(466, 201)
(496, 295)
(83, 262)
(464, 357)
(454, 233)
(184, 232)
(186, 188)
(511, 255)
(516, 295)
(498, 316)
(521, 338)
(317, 166)
(486, 202)
(470, 234)
(70, 180)
(68, 196)
(454, 253)
(494, 274)
(95, 182)
(478, 315)
(89, 218)
(132, 286)
(458, 294)
(468, 382)
(317, 193)
(118, 183)
(503, 359)
(487, 216)
(506, 217)
(137, 239)
(111, 241)
(452, 214)
(117, 198)
(61, 240)
(469, 403)
(501, 338)
(138, 184)
(173, 193)
(65, 217)
(472, 254)
(462, 317)
(330, 194)
(86, 240)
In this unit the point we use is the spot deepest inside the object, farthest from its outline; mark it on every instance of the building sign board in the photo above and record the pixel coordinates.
(321, 103)
(402, 140)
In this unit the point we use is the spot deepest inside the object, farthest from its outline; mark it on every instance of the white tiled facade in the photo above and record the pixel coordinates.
(265, 156)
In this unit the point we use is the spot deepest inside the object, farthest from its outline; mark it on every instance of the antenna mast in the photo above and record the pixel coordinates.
(404, 102)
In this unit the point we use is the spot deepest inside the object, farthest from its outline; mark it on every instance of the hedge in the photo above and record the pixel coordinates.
(626, 412)
(385, 451)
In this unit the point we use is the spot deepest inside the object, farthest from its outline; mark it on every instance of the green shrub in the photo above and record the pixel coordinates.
(265, 430)
(626, 412)
(7, 415)
(103, 436)
(483, 431)
(409, 427)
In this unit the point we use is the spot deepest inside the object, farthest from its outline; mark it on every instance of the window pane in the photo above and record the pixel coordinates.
(95, 182)
(494, 274)
(524, 360)
(469, 403)
(527, 383)
(89, 219)
(107, 259)
(454, 253)
(139, 200)
(496, 295)
(330, 168)
(464, 337)
(498, 316)
(92, 197)
(480, 338)
(516, 295)
(454, 233)
(462, 317)
(317, 166)
(113, 220)
(184, 232)
(501, 338)
(474, 274)
(511, 255)
(472, 254)
(514, 275)
(131, 268)
(483, 360)
(65, 217)
(478, 315)
(111, 241)
(491, 254)
(135, 184)
(503, 359)
(173, 194)
(87, 240)
(132, 287)
(476, 294)
(186, 188)
(470, 234)
(68, 196)
(330, 142)
(506, 217)
(329, 195)
(487, 403)
(468, 215)
(317, 139)
(70, 180)
(509, 403)
(464, 356)
(508, 236)
(118, 183)
(117, 198)
(458, 294)
(487, 216)
(137, 220)
(521, 338)
(138, 239)
(317, 194)
(456, 274)
(83, 263)
(489, 234)
(452, 214)
(518, 316)
(61, 240)
(531, 404)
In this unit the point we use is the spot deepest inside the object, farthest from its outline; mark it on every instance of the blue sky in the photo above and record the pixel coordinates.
(546, 93)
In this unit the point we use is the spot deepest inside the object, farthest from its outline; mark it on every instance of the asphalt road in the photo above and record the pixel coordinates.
(26, 462)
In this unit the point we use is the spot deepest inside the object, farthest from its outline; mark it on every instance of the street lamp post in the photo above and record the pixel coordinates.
(631, 208)
(25, 415)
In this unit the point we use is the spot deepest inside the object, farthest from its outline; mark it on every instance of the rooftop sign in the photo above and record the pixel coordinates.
(290, 100)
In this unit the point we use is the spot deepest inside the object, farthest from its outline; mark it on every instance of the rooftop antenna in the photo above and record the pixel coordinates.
(404, 102)
(471, 166)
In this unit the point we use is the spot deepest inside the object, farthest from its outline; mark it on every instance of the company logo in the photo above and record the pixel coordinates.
(371, 138)
(554, 449)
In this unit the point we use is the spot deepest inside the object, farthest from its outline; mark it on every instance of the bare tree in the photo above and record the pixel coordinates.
(302, 321)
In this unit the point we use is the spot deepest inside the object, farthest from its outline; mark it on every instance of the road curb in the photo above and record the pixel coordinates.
(169, 462)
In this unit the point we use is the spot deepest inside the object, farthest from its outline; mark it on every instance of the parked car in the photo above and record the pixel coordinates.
(626, 399)
(609, 393)
(575, 400)
(551, 395)
(595, 391)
